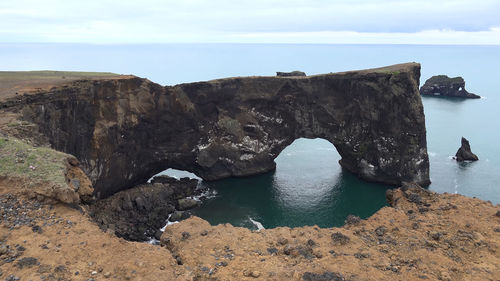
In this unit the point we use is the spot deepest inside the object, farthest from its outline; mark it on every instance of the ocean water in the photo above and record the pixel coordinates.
(308, 186)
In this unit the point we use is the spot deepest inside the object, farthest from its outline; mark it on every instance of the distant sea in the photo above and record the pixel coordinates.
(308, 186)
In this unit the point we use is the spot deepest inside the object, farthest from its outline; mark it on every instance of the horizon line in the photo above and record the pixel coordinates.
(247, 43)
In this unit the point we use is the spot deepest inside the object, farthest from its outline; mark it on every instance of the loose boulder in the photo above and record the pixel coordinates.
(186, 204)
(464, 153)
(290, 74)
(442, 85)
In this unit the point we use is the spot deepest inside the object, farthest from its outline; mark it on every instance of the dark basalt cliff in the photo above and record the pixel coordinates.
(442, 85)
(125, 130)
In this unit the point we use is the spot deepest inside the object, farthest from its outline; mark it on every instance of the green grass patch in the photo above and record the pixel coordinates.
(36, 164)
(443, 79)
(396, 72)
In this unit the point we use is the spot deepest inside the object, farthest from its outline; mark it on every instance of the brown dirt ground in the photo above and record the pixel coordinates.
(444, 237)
(70, 239)
(454, 238)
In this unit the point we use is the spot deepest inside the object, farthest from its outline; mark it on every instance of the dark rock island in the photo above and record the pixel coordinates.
(464, 153)
(125, 130)
(442, 85)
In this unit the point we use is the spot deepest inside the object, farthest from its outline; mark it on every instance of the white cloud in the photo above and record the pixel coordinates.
(436, 37)
(311, 21)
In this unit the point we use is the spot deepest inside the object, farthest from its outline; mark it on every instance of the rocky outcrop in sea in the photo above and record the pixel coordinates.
(138, 213)
(464, 153)
(442, 85)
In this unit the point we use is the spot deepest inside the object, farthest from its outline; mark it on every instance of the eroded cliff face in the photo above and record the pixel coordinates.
(125, 130)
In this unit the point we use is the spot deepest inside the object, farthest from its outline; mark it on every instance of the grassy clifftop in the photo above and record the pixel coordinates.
(42, 171)
(50, 74)
(19, 82)
(35, 164)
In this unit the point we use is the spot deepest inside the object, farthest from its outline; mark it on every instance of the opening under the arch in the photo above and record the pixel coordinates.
(174, 173)
(308, 187)
(307, 172)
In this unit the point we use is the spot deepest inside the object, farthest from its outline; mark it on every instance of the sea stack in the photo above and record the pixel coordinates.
(464, 153)
(442, 85)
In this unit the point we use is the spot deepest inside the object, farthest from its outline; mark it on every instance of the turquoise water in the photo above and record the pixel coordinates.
(308, 186)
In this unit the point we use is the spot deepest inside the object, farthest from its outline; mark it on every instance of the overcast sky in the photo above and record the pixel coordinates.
(255, 21)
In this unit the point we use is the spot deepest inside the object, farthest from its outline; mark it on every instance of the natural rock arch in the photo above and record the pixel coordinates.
(125, 130)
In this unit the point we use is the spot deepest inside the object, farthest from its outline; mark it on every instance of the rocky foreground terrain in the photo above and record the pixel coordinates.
(51, 227)
(422, 236)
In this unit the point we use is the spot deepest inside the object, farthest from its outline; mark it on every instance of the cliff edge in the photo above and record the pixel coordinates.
(124, 130)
